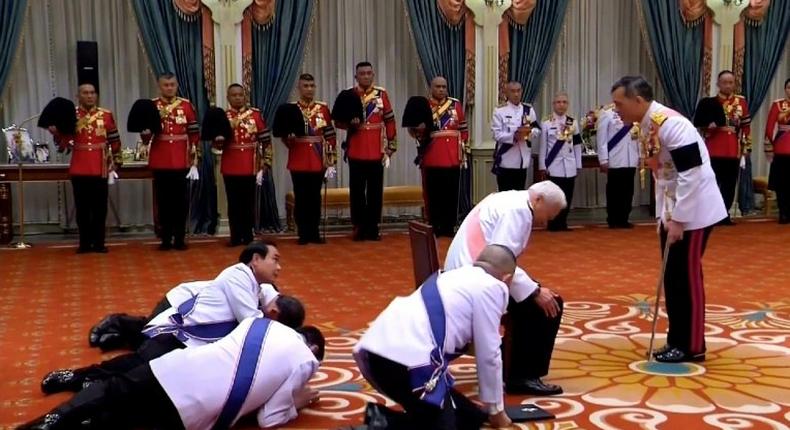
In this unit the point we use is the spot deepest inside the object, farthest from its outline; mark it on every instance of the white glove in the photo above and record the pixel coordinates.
(112, 177)
(386, 161)
(330, 172)
(743, 162)
(193, 174)
(259, 177)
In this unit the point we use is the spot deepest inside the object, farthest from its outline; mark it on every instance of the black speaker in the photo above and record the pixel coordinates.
(88, 63)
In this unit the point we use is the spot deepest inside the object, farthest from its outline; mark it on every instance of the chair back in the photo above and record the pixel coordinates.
(424, 253)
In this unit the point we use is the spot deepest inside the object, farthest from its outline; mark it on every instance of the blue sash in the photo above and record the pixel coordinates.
(369, 108)
(553, 152)
(245, 373)
(499, 151)
(433, 379)
(618, 136)
(210, 332)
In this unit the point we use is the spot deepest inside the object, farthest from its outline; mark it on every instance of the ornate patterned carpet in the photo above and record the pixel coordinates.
(49, 298)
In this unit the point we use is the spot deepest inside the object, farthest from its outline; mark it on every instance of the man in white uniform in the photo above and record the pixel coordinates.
(515, 126)
(406, 351)
(688, 205)
(560, 156)
(262, 366)
(618, 155)
(507, 218)
(217, 309)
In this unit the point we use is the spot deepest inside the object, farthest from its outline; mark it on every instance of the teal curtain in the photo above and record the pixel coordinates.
(532, 45)
(442, 53)
(677, 52)
(174, 45)
(12, 13)
(765, 45)
(277, 51)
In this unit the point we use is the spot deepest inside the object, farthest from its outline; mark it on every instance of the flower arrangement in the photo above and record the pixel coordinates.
(589, 130)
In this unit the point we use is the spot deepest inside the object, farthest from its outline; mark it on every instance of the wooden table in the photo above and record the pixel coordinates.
(45, 173)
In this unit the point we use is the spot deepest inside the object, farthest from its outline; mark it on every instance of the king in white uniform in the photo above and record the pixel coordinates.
(618, 155)
(515, 127)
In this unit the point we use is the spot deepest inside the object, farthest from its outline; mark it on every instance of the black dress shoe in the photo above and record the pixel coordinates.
(318, 240)
(101, 249)
(373, 236)
(356, 235)
(302, 241)
(180, 246)
(45, 422)
(59, 381)
(83, 250)
(675, 355)
(661, 350)
(533, 386)
(165, 246)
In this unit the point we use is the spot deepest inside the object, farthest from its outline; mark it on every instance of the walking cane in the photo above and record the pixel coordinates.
(659, 289)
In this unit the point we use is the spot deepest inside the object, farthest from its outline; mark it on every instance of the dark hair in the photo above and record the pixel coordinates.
(260, 248)
(166, 75)
(363, 64)
(313, 336)
(234, 85)
(787, 82)
(724, 72)
(634, 86)
(291, 311)
(306, 77)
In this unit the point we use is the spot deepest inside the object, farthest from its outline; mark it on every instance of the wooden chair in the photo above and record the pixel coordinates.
(424, 252)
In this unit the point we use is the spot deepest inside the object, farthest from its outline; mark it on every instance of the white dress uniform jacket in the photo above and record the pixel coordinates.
(186, 290)
(569, 157)
(198, 380)
(506, 120)
(503, 218)
(626, 151)
(474, 303)
(233, 296)
(686, 187)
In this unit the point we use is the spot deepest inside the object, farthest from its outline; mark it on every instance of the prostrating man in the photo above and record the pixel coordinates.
(515, 127)
(726, 144)
(96, 152)
(205, 318)
(247, 155)
(172, 152)
(261, 365)
(560, 155)
(310, 158)
(688, 204)
(406, 352)
(368, 147)
(777, 151)
(442, 157)
(507, 218)
(618, 155)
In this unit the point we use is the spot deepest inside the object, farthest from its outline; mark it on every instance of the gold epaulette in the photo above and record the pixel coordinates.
(454, 99)
(254, 109)
(183, 99)
(738, 96)
(321, 103)
(547, 118)
(375, 87)
(101, 109)
(658, 118)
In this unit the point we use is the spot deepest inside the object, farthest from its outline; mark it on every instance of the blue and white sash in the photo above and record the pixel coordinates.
(209, 332)
(618, 137)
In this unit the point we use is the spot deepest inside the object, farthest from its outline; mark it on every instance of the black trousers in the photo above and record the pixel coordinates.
(171, 201)
(130, 400)
(619, 195)
(366, 183)
(532, 335)
(511, 179)
(393, 380)
(567, 185)
(684, 290)
(726, 170)
(307, 203)
(90, 200)
(441, 193)
(241, 207)
(779, 181)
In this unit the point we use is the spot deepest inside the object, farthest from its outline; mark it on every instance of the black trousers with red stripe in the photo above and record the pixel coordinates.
(684, 290)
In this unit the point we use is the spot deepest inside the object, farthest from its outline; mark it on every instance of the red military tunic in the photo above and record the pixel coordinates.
(306, 153)
(175, 148)
(367, 141)
(448, 142)
(96, 144)
(247, 152)
(725, 142)
(777, 129)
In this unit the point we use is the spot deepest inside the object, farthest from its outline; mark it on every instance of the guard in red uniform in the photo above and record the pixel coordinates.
(247, 155)
(96, 151)
(368, 147)
(777, 150)
(442, 157)
(726, 144)
(172, 152)
(310, 158)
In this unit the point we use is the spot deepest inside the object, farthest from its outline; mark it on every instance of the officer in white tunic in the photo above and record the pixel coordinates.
(261, 367)
(217, 309)
(515, 127)
(618, 156)
(507, 218)
(688, 205)
(560, 156)
(406, 352)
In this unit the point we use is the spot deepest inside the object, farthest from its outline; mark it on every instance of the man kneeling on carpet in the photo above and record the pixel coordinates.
(205, 318)
(261, 365)
(406, 352)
